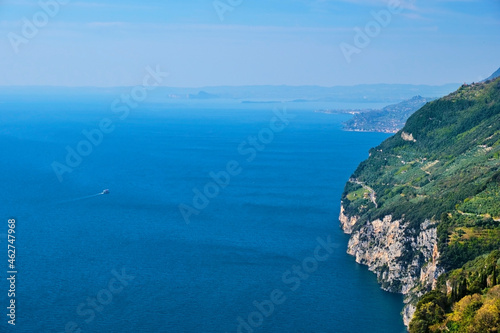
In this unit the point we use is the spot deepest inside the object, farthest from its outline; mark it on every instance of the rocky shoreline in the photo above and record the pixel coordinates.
(404, 259)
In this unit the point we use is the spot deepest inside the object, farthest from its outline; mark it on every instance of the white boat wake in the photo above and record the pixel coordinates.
(83, 198)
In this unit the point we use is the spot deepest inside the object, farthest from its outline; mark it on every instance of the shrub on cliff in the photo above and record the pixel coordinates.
(430, 311)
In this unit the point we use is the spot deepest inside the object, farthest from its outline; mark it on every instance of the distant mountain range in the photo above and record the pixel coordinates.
(368, 93)
(363, 93)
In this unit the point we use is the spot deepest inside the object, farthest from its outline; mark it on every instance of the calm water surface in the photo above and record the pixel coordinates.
(204, 276)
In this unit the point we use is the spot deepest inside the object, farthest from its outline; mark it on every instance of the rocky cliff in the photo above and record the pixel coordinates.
(420, 204)
(404, 259)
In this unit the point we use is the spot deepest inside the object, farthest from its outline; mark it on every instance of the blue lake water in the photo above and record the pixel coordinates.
(205, 276)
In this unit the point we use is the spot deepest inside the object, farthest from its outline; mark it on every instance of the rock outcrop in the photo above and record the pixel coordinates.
(346, 222)
(404, 259)
(408, 137)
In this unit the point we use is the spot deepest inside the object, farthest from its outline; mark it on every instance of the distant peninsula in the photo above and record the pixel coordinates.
(390, 119)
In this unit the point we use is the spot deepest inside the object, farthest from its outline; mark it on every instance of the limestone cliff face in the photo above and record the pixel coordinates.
(404, 259)
(346, 222)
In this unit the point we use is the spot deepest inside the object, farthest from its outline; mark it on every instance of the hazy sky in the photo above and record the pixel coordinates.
(293, 42)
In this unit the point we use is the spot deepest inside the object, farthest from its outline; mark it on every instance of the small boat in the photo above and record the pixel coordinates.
(105, 191)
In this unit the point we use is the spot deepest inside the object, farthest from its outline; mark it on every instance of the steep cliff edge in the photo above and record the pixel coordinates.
(384, 246)
(427, 200)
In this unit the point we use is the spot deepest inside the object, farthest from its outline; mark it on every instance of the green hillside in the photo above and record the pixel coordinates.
(444, 166)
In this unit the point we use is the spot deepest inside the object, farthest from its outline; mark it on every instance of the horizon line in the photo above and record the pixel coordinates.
(234, 86)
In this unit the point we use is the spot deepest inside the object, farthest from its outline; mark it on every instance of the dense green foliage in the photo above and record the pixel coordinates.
(444, 166)
(466, 300)
(430, 311)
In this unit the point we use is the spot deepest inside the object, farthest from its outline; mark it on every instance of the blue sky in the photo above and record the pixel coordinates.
(292, 42)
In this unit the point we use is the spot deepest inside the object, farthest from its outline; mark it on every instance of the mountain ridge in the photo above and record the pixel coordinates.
(383, 93)
(493, 76)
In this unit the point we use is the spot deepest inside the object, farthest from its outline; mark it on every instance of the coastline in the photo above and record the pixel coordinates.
(381, 245)
(370, 131)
